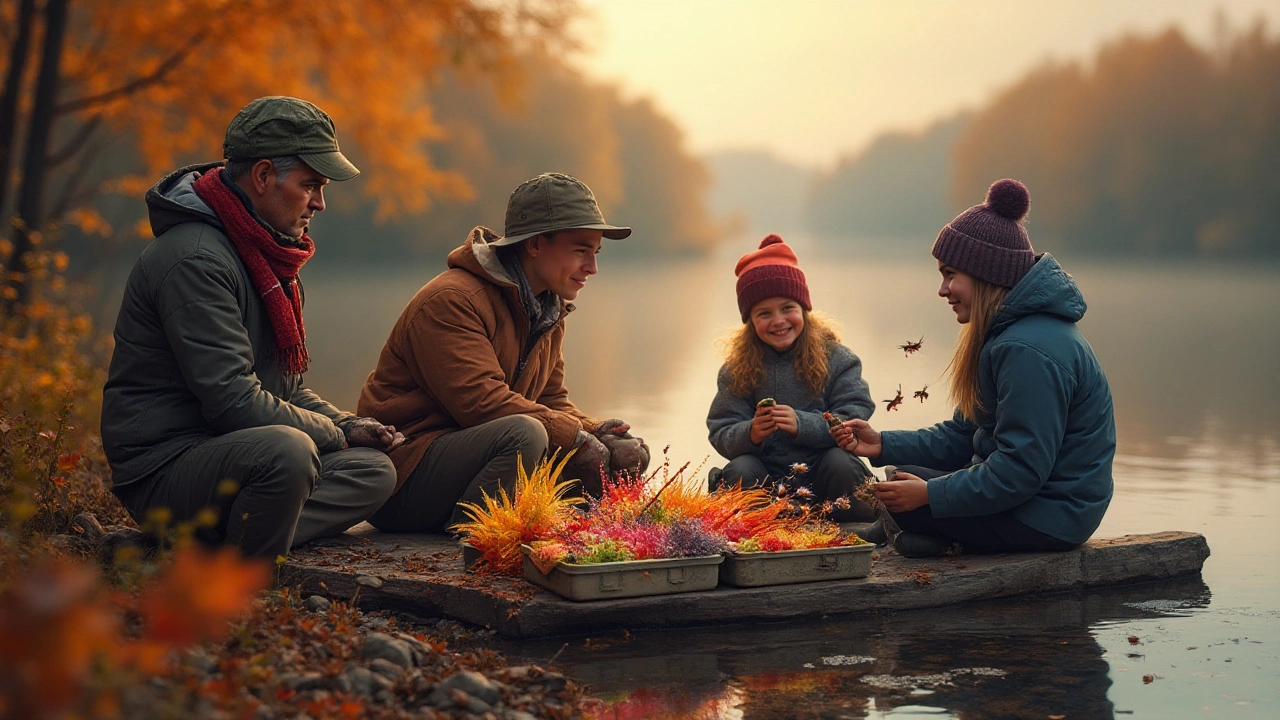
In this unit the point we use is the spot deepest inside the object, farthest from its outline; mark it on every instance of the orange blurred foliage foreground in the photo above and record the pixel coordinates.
(73, 638)
(66, 646)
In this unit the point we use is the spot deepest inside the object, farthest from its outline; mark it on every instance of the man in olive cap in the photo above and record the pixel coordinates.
(473, 370)
(205, 407)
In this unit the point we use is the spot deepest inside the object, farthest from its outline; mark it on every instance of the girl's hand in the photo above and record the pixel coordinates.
(762, 425)
(784, 418)
(904, 493)
(859, 438)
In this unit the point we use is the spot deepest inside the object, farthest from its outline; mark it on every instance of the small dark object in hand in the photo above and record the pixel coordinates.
(767, 402)
(833, 421)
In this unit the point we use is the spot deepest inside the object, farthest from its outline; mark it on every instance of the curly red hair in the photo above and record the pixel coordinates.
(744, 354)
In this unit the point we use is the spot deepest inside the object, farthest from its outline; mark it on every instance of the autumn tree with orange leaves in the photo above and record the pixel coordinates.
(105, 95)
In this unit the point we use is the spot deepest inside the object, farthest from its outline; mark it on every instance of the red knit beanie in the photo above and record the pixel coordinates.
(771, 271)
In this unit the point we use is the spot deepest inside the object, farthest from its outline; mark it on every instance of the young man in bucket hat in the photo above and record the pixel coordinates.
(204, 406)
(473, 370)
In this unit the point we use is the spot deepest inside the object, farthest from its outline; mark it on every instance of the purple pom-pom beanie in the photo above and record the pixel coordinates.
(988, 241)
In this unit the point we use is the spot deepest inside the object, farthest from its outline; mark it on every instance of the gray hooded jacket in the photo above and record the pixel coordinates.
(845, 394)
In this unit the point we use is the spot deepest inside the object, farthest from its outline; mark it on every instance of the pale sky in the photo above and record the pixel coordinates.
(814, 79)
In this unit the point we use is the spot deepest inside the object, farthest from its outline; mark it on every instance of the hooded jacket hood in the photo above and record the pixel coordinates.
(479, 257)
(173, 199)
(1046, 289)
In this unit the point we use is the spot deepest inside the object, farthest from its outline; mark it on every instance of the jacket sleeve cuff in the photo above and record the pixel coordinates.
(738, 440)
(939, 506)
(813, 431)
(562, 429)
(336, 440)
(888, 448)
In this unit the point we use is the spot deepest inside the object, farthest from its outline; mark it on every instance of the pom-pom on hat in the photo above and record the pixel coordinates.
(988, 241)
(770, 271)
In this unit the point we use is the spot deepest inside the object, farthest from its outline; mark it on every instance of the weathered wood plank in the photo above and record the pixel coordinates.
(423, 574)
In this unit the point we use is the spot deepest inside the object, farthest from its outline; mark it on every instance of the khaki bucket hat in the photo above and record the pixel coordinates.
(277, 125)
(550, 202)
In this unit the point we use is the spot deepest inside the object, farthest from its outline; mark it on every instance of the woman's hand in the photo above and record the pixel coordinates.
(904, 493)
(762, 425)
(784, 418)
(859, 438)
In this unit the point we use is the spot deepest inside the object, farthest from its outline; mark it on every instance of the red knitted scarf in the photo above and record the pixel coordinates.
(271, 265)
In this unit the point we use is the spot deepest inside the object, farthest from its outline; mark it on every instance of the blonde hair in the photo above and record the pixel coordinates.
(744, 354)
(988, 300)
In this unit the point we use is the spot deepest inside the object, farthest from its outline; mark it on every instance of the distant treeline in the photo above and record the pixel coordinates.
(1156, 147)
(630, 154)
(896, 188)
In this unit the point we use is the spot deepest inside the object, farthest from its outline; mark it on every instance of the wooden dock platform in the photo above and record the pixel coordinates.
(423, 575)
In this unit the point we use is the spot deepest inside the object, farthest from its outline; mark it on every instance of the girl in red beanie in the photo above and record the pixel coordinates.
(784, 368)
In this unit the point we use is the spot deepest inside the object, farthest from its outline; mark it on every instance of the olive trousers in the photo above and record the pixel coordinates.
(270, 488)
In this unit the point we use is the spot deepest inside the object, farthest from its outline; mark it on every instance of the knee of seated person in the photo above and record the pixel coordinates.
(528, 435)
(382, 475)
(749, 471)
(838, 457)
(291, 452)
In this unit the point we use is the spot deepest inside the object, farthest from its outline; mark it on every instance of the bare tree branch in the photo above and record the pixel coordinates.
(72, 195)
(139, 83)
(75, 143)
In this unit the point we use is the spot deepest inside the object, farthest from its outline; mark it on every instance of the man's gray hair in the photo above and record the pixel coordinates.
(283, 164)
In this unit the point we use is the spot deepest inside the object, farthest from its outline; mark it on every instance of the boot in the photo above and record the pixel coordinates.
(713, 478)
(918, 545)
(875, 533)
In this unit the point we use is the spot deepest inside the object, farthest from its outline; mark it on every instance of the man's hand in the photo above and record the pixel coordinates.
(591, 454)
(612, 426)
(368, 432)
(859, 438)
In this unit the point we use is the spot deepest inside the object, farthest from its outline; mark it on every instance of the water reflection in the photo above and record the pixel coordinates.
(1015, 658)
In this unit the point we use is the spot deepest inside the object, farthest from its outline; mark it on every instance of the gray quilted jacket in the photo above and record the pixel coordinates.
(194, 351)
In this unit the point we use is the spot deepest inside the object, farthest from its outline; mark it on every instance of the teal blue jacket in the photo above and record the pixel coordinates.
(1044, 442)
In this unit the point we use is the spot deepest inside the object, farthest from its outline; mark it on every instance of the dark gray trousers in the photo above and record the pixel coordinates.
(271, 488)
(463, 466)
(995, 533)
(836, 474)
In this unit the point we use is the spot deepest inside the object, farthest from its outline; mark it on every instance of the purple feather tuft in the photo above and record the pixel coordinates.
(1009, 198)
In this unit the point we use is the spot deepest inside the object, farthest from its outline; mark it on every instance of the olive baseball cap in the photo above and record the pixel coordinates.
(277, 125)
(550, 202)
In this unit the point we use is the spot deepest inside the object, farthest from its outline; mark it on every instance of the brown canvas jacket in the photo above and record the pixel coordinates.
(450, 360)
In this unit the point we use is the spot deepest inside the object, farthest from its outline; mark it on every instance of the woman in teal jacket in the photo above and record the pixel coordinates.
(1025, 463)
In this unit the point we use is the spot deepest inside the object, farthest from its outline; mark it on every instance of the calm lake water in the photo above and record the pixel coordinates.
(1190, 350)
